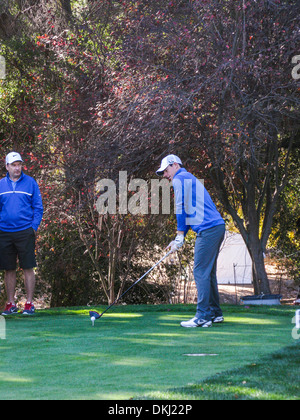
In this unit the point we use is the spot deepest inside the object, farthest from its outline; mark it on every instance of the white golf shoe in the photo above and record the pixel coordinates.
(195, 322)
(218, 319)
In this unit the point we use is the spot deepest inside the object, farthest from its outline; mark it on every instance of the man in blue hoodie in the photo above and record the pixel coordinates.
(21, 212)
(195, 210)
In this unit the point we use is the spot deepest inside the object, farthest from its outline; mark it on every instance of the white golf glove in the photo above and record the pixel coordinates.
(177, 243)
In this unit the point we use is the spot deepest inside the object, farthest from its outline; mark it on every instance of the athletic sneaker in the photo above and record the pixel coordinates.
(29, 309)
(10, 309)
(217, 319)
(195, 322)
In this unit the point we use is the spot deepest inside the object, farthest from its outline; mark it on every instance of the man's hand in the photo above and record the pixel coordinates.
(175, 245)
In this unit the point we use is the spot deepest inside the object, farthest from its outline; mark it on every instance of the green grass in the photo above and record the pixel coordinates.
(274, 377)
(140, 352)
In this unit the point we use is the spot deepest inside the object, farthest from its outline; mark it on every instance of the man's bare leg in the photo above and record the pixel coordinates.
(10, 279)
(29, 278)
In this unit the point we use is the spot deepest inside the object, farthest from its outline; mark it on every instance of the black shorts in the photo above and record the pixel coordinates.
(17, 244)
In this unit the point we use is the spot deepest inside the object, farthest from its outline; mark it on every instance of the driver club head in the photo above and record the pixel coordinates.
(94, 315)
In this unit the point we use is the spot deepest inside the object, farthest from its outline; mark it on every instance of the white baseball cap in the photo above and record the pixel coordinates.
(13, 157)
(168, 160)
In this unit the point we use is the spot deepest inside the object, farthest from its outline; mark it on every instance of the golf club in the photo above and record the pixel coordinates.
(95, 315)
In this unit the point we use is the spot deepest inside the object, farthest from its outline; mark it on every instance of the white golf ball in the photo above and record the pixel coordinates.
(93, 319)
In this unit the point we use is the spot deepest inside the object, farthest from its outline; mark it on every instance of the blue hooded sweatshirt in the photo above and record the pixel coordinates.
(193, 204)
(21, 204)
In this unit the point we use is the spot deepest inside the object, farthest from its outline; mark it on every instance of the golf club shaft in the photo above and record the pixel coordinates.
(136, 282)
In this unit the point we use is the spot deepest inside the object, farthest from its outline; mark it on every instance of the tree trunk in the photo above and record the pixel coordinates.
(254, 243)
(260, 278)
(66, 6)
(249, 229)
(111, 275)
(6, 25)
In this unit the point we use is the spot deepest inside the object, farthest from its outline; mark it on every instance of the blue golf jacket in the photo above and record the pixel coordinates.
(193, 205)
(21, 204)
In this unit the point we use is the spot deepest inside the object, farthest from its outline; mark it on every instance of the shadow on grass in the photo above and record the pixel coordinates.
(274, 377)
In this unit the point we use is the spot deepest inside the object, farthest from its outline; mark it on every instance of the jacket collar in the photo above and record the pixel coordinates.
(180, 171)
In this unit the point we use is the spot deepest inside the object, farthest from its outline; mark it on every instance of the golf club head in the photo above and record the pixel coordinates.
(95, 314)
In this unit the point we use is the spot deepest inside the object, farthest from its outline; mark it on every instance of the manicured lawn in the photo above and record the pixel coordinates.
(140, 352)
(274, 377)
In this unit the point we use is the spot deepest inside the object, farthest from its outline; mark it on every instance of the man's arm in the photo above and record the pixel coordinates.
(37, 206)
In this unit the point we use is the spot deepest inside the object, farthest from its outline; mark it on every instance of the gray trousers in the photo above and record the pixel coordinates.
(207, 249)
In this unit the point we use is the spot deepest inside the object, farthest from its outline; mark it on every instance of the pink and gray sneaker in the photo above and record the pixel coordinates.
(10, 309)
(29, 309)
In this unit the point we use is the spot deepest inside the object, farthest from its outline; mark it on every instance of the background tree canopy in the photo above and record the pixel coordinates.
(98, 87)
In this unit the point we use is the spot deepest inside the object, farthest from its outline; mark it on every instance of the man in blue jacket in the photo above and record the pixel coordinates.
(195, 210)
(21, 212)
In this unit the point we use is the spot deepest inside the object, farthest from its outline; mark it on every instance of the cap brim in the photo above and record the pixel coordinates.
(160, 171)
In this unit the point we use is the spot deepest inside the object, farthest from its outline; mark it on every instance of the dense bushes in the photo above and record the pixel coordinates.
(95, 88)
